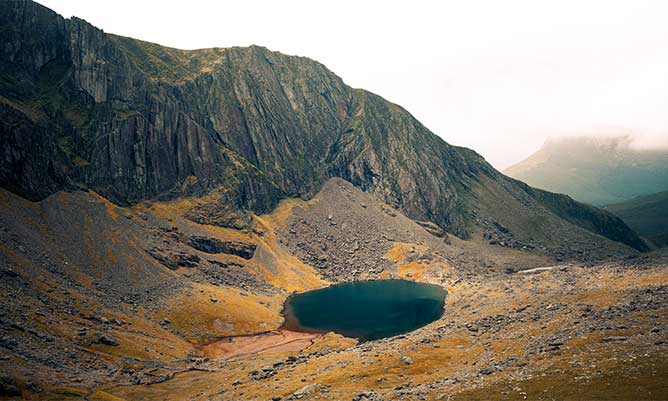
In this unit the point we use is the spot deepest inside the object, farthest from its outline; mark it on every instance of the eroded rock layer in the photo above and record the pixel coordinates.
(133, 120)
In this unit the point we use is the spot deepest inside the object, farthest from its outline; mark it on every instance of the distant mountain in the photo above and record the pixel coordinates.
(599, 171)
(647, 215)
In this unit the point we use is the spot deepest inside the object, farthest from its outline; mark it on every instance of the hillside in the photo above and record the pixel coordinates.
(158, 207)
(598, 171)
(103, 302)
(646, 215)
(131, 120)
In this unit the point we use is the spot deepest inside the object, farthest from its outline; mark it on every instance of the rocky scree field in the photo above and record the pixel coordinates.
(164, 319)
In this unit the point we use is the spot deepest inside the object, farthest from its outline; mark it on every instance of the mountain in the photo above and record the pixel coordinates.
(594, 170)
(131, 120)
(647, 215)
(159, 206)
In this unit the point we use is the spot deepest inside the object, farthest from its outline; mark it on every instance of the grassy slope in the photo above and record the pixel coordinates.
(647, 215)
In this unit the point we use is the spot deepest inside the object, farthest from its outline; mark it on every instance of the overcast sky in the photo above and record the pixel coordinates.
(498, 77)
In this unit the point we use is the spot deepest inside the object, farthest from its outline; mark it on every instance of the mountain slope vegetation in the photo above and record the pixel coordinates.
(646, 215)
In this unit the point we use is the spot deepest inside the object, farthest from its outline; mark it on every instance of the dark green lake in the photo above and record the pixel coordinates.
(367, 310)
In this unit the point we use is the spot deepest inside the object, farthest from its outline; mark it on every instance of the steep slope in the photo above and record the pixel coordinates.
(646, 215)
(594, 170)
(133, 120)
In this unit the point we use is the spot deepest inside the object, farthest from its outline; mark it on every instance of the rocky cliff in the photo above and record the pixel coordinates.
(132, 120)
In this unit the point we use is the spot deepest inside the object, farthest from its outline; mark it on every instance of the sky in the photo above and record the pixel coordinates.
(497, 77)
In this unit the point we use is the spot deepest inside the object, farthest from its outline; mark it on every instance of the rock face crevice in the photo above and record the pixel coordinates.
(133, 120)
(214, 245)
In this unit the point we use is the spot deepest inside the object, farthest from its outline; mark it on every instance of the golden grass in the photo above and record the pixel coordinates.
(195, 319)
(349, 372)
(208, 311)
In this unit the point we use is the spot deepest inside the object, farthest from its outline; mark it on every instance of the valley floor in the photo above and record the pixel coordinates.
(109, 303)
(570, 333)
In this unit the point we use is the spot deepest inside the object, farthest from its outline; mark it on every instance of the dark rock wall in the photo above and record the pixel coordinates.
(134, 120)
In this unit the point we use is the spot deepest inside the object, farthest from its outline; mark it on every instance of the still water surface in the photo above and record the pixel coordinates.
(367, 310)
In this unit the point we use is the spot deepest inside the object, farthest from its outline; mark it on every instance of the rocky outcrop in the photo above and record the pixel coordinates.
(134, 120)
(174, 260)
(214, 245)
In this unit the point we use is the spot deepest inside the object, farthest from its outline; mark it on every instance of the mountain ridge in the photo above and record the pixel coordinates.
(114, 115)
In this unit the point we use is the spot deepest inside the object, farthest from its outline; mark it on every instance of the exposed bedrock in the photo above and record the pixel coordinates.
(214, 245)
(134, 120)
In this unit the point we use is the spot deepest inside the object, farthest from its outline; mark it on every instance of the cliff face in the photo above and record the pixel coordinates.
(132, 120)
